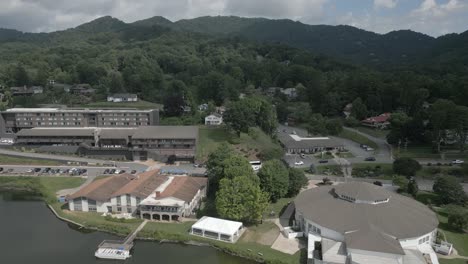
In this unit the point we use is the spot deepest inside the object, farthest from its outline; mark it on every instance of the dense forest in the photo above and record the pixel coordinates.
(204, 60)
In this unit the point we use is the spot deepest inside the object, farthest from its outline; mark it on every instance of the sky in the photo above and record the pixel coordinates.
(432, 17)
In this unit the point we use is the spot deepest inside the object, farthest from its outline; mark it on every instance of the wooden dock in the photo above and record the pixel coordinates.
(112, 249)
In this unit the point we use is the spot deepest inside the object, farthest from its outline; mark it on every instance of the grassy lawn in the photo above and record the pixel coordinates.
(13, 160)
(324, 155)
(373, 170)
(257, 239)
(331, 170)
(378, 133)
(426, 152)
(358, 138)
(251, 145)
(277, 208)
(452, 261)
(54, 184)
(139, 105)
(345, 155)
(459, 240)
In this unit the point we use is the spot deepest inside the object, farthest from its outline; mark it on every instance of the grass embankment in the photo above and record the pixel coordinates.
(254, 244)
(458, 239)
(382, 171)
(378, 133)
(330, 170)
(13, 160)
(252, 145)
(426, 152)
(139, 105)
(452, 261)
(358, 138)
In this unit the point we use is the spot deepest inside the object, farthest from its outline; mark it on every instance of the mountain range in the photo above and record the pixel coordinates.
(396, 48)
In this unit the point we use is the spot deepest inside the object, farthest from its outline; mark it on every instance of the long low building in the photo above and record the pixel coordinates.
(363, 223)
(139, 143)
(296, 141)
(148, 195)
(15, 119)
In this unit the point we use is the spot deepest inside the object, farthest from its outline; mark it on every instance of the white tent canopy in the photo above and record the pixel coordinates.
(217, 225)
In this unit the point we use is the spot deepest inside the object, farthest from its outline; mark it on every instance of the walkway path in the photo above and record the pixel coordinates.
(129, 239)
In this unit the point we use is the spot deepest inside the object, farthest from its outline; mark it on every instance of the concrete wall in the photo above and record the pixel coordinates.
(414, 242)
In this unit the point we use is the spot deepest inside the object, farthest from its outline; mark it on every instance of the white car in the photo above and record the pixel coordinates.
(458, 161)
(297, 163)
(369, 149)
(117, 171)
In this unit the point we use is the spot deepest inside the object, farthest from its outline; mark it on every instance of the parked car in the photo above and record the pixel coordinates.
(133, 172)
(1, 169)
(323, 161)
(112, 171)
(117, 172)
(106, 171)
(37, 169)
(303, 156)
(369, 159)
(122, 172)
(297, 163)
(458, 161)
(369, 149)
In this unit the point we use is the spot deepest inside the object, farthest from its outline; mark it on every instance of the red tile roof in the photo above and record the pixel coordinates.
(378, 119)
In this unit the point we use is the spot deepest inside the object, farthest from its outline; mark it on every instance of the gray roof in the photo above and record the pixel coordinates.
(372, 240)
(362, 192)
(77, 110)
(112, 133)
(288, 142)
(38, 132)
(166, 132)
(401, 217)
(124, 95)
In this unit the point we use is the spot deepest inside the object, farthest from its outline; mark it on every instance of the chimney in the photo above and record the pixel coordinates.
(158, 193)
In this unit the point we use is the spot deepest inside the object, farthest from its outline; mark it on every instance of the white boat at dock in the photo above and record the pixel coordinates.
(113, 250)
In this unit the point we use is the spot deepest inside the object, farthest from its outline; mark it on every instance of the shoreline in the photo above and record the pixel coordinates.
(173, 241)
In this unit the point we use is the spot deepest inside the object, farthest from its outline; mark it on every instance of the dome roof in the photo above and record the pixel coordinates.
(399, 216)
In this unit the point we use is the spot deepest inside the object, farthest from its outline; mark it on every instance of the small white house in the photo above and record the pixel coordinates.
(117, 98)
(214, 120)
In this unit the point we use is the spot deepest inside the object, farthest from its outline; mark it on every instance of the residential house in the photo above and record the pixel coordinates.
(214, 119)
(122, 97)
(382, 121)
(24, 90)
(203, 107)
(82, 89)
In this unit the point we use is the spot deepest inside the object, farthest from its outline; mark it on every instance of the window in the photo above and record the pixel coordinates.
(119, 209)
(129, 210)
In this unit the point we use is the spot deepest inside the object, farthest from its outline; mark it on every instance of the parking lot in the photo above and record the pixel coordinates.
(67, 170)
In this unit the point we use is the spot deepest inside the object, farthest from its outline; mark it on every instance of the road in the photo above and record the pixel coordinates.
(384, 153)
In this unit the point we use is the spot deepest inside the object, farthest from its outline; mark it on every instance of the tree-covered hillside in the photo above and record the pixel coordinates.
(168, 65)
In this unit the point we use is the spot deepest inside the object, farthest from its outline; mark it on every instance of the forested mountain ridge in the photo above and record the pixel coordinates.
(344, 42)
(396, 48)
(163, 64)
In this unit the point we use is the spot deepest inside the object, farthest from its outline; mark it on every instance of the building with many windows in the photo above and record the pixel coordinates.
(364, 223)
(137, 143)
(16, 119)
(148, 195)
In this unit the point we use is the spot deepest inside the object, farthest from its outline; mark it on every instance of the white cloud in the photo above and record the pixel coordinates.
(433, 17)
(385, 4)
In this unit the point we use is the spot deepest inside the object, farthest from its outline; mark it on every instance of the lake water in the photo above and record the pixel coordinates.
(30, 233)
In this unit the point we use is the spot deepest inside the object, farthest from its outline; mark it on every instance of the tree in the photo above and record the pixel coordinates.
(174, 99)
(297, 180)
(412, 187)
(239, 116)
(241, 199)
(440, 119)
(334, 126)
(406, 166)
(450, 190)
(458, 220)
(401, 182)
(359, 110)
(21, 77)
(460, 124)
(274, 179)
(215, 166)
(237, 166)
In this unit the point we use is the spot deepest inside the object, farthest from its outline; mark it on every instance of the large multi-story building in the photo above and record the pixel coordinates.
(16, 119)
(149, 195)
(137, 143)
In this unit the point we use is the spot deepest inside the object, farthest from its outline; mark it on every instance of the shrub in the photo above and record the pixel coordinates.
(406, 166)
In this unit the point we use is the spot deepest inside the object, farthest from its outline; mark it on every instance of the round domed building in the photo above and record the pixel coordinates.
(364, 223)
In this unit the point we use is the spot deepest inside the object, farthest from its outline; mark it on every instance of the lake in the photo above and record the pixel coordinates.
(30, 233)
